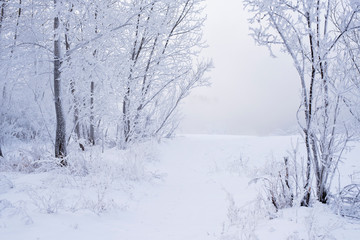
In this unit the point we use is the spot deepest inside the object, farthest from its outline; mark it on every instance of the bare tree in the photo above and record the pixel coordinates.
(306, 30)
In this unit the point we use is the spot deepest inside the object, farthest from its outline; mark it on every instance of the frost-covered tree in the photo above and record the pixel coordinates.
(312, 33)
(148, 67)
(165, 39)
(115, 70)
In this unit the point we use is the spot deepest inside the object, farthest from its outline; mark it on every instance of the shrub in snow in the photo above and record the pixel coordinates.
(93, 180)
(280, 182)
(129, 164)
(28, 158)
(46, 202)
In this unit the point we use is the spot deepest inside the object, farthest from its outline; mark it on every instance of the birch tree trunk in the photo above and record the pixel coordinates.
(60, 139)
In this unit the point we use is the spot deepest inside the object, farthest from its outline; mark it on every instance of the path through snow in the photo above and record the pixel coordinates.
(192, 202)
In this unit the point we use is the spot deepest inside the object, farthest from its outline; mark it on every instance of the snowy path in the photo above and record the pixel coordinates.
(189, 205)
(192, 202)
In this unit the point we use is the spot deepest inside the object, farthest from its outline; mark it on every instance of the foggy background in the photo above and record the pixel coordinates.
(252, 93)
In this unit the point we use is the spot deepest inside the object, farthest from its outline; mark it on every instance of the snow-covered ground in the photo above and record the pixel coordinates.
(193, 187)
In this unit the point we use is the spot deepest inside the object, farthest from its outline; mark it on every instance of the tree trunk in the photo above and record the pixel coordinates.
(309, 141)
(92, 88)
(307, 188)
(126, 120)
(92, 128)
(1, 154)
(17, 26)
(76, 109)
(60, 140)
(2, 13)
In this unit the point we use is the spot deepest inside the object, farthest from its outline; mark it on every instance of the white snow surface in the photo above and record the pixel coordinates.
(193, 187)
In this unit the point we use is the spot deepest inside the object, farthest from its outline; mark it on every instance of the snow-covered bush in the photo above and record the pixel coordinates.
(28, 158)
(96, 175)
(94, 180)
(281, 186)
(129, 164)
(347, 202)
(47, 201)
(281, 181)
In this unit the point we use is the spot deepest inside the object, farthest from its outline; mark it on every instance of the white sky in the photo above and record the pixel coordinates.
(251, 92)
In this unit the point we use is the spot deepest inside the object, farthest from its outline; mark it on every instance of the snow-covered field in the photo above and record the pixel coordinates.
(193, 187)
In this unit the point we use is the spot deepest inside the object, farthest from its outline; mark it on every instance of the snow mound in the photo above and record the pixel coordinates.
(5, 185)
(12, 216)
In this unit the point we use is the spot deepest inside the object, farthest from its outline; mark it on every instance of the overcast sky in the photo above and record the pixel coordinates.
(251, 93)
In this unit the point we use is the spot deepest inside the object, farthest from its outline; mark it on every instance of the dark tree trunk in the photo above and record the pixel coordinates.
(17, 26)
(2, 13)
(92, 128)
(1, 154)
(60, 140)
(92, 89)
(126, 120)
(308, 118)
(322, 194)
(307, 188)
